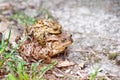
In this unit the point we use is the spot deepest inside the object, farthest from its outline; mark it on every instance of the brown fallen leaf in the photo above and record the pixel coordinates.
(65, 63)
(5, 6)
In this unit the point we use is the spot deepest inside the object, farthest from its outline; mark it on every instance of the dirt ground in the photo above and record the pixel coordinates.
(95, 29)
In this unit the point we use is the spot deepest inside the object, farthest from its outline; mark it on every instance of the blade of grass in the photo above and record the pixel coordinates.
(3, 42)
(94, 74)
(2, 62)
(46, 68)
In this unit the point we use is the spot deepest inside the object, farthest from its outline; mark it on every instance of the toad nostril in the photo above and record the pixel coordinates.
(63, 40)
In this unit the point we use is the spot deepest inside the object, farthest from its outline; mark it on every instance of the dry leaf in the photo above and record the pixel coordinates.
(4, 6)
(65, 63)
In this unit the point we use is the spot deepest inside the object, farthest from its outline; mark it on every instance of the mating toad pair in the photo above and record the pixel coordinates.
(44, 39)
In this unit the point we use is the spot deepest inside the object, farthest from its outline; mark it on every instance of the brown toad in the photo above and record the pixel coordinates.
(47, 40)
(42, 28)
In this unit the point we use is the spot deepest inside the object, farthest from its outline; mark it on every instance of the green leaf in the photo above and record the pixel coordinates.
(11, 77)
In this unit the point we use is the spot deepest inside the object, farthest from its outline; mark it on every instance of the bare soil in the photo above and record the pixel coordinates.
(95, 29)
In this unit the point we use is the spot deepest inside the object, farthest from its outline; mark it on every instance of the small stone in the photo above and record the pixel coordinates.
(112, 56)
(118, 60)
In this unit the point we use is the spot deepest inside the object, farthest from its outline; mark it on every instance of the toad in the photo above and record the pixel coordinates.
(46, 39)
(42, 28)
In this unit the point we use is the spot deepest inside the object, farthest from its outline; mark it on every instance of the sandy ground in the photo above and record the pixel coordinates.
(95, 26)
